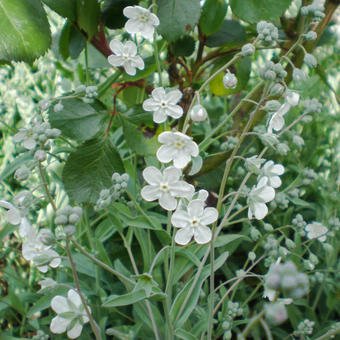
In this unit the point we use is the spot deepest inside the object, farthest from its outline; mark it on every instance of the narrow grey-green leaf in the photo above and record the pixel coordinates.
(89, 168)
(126, 299)
(78, 120)
(253, 11)
(24, 30)
(177, 17)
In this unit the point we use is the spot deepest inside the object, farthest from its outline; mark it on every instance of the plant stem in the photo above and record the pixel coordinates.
(266, 329)
(250, 325)
(93, 323)
(44, 180)
(329, 334)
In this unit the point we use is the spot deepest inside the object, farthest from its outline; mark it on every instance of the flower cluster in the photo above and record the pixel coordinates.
(267, 32)
(316, 8)
(273, 72)
(305, 327)
(68, 216)
(316, 230)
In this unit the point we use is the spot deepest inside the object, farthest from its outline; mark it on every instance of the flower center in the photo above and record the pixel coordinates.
(195, 222)
(164, 187)
(163, 105)
(143, 18)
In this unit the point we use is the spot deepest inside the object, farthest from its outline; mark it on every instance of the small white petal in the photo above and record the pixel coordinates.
(202, 234)
(164, 154)
(6, 205)
(175, 111)
(138, 62)
(21, 135)
(159, 116)
(261, 210)
(25, 228)
(150, 105)
(174, 96)
(129, 68)
(75, 331)
(275, 182)
(13, 216)
(182, 160)
(278, 169)
(267, 194)
(210, 215)
(131, 11)
(115, 60)
(196, 208)
(166, 137)
(182, 189)
(116, 47)
(130, 48)
(183, 236)
(131, 27)
(59, 325)
(152, 175)
(74, 297)
(180, 219)
(59, 304)
(172, 174)
(158, 93)
(150, 193)
(167, 202)
(29, 143)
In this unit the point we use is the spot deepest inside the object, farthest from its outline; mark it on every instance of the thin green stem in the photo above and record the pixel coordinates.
(266, 329)
(329, 334)
(44, 180)
(250, 326)
(94, 326)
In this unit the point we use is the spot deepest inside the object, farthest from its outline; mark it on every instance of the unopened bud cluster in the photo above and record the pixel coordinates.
(114, 193)
(40, 336)
(286, 279)
(68, 217)
(273, 72)
(229, 144)
(316, 9)
(267, 32)
(305, 327)
(312, 106)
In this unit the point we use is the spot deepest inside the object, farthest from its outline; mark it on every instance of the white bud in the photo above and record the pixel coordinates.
(248, 50)
(198, 113)
(40, 155)
(58, 107)
(229, 80)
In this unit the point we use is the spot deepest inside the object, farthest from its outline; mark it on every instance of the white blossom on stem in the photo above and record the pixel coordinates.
(316, 230)
(165, 187)
(164, 104)
(125, 54)
(176, 147)
(272, 171)
(193, 222)
(141, 20)
(259, 195)
(71, 314)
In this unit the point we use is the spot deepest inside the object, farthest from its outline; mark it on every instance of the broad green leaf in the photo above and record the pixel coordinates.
(213, 14)
(253, 11)
(88, 16)
(78, 120)
(193, 299)
(65, 8)
(184, 47)
(24, 30)
(242, 68)
(89, 168)
(231, 32)
(177, 17)
(223, 240)
(112, 12)
(136, 140)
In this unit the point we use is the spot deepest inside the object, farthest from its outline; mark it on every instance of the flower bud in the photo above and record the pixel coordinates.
(269, 75)
(46, 237)
(44, 104)
(253, 164)
(40, 155)
(299, 75)
(69, 230)
(251, 256)
(277, 90)
(282, 148)
(288, 282)
(272, 106)
(248, 50)
(311, 35)
(310, 60)
(269, 139)
(125, 177)
(73, 218)
(78, 211)
(61, 219)
(52, 133)
(229, 80)
(58, 107)
(198, 113)
(21, 173)
(276, 313)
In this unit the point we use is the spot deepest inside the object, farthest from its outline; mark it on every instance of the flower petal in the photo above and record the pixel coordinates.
(166, 137)
(59, 325)
(115, 60)
(180, 219)
(29, 143)
(129, 68)
(210, 215)
(278, 169)
(59, 304)
(116, 47)
(74, 297)
(6, 205)
(183, 236)
(138, 62)
(131, 26)
(131, 12)
(13, 216)
(275, 181)
(150, 193)
(196, 208)
(130, 48)
(174, 96)
(174, 111)
(159, 116)
(152, 175)
(165, 153)
(158, 94)
(25, 228)
(181, 160)
(182, 189)
(172, 174)
(267, 194)
(202, 234)
(150, 105)
(260, 211)
(75, 331)
(167, 202)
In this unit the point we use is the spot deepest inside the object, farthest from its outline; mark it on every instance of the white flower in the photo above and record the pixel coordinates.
(277, 121)
(125, 54)
(41, 255)
(141, 20)
(257, 197)
(316, 230)
(16, 216)
(198, 113)
(193, 222)
(176, 147)
(164, 104)
(165, 187)
(28, 138)
(71, 314)
(272, 172)
(47, 283)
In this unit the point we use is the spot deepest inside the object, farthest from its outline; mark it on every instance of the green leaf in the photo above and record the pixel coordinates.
(242, 68)
(126, 299)
(78, 120)
(223, 240)
(136, 141)
(12, 166)
(231, 32)
(88, 16)
(213, 14)
(89, 168)
(177, 17)
(65, 8)
(112, 12)
(193, 299)
(182, 334)
(253, 11)
(24, 30)
(184, 47)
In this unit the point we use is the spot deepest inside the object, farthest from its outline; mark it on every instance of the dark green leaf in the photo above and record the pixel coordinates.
(65, 8)
(24, 30)
(213, 14)
(177, 17)
(112, 12)
(182, 334)
(231, 32)
(136, 141)
(255, 10)
(89, 169)
(126, 299)
(78, 120)
(88, 16)
(184, 47)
